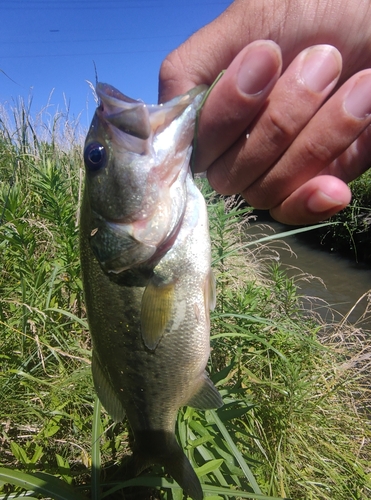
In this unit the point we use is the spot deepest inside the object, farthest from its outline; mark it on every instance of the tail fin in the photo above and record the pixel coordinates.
(178, 466)
(162, 449)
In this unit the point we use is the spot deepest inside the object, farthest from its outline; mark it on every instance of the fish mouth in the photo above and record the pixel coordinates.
(126, 114)
(138, 198)
(136, 118)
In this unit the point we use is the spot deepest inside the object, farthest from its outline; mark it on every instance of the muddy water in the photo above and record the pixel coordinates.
(341, 282)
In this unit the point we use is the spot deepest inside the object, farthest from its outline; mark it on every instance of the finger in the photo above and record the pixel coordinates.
(236, 99)
(321, 197)
(314, 201)
(332, 130)
(211, 49)
(354, 161)
(292, 25)
(292, 103)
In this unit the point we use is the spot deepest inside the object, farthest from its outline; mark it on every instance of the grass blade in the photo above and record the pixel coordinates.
(160, 482)
(95, 455)
(40, 482)
(70, 315)
(238, 456)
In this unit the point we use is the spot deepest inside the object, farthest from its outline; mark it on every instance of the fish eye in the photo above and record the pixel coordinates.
(95, 157)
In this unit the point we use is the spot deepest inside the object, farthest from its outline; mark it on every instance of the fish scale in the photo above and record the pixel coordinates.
(147, 278)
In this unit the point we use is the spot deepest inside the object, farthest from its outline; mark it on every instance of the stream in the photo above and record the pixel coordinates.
(341, 281)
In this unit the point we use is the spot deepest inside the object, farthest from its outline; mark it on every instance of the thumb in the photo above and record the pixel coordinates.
(202, 57)
(210, 50)
(189, 65)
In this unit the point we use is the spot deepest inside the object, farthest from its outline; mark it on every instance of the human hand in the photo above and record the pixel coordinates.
(309, 130)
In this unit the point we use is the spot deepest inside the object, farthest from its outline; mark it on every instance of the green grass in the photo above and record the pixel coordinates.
(295, 423)
(351, 236)
(309, 426)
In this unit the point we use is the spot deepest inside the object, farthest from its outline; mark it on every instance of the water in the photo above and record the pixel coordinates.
(341, 281)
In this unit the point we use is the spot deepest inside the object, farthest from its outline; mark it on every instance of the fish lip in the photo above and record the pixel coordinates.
(113, 103)
(107, 92)
(110, 94)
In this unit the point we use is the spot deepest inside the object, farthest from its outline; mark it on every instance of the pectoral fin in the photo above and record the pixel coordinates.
(207, 397)
(157, 305)
(210, 291)
(106, 392)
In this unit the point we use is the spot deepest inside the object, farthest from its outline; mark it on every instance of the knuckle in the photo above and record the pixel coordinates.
(176, 74)
(280, 127)
(168, 76)
(316, 152)
(168, 68)
(257, 202)
(222, 177)
(268, 191)
(257, 198)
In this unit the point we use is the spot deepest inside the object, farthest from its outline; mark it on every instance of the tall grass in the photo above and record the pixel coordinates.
(295, 423)
(45, 388)
(307, 382)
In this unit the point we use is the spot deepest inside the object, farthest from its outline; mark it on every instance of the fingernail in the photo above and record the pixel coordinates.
(320, 67)
(257, 69)
(320, 202)
(358, 102)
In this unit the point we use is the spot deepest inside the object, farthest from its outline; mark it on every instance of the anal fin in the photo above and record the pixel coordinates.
(207, 397)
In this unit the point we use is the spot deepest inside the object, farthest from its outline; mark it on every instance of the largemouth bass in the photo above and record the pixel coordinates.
(145, 256)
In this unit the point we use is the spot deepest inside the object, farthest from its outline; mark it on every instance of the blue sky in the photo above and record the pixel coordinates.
(48, 46)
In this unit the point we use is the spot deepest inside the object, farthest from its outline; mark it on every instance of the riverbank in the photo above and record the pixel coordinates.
(350, 235)
(288, 360)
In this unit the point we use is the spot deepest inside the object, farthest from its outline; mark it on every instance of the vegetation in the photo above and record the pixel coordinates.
(350, 235)
(295, 423)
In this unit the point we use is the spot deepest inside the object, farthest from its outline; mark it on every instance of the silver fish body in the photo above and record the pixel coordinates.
(145, 257)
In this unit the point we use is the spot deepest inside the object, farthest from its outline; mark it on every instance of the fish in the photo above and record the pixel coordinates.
(147, 278)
